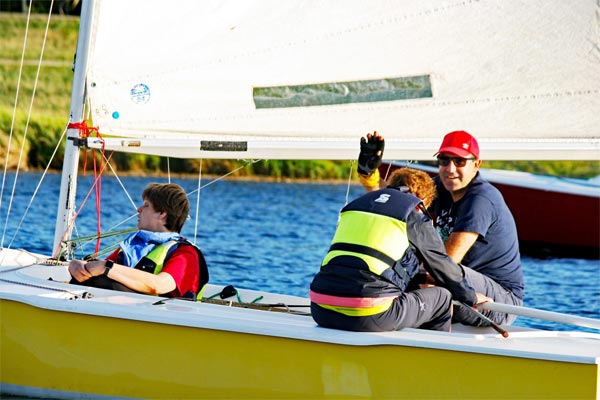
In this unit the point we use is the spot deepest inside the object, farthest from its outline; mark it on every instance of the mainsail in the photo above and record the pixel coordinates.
(305, 79)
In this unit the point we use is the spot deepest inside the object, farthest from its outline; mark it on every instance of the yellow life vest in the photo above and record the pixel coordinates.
(378, 240)
(158, 256)
(384, 236)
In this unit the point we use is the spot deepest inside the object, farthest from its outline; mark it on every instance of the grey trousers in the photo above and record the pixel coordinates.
(422, 308)
(487, 286)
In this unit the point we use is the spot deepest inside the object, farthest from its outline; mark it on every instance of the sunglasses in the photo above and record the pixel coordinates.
(459, 162)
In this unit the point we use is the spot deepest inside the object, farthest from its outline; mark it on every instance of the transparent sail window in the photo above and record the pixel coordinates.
(320, 94)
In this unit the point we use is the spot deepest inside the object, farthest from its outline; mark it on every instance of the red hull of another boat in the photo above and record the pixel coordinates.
(554, 216)
(550, 218)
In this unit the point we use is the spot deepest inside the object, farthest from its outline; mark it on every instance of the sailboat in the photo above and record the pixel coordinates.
(302, 80)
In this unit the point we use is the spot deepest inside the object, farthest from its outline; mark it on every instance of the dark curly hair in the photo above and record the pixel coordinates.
(169, 198)
(418, 183)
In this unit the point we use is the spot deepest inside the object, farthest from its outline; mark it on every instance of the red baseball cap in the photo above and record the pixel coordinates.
(459, 143)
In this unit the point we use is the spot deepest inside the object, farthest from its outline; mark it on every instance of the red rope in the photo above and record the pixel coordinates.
(84, 132)
(98, 191)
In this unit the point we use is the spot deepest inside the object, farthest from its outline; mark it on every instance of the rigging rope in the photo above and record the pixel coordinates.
(37, 188)
(169, 169)
(248, 162)
(387, 171)
(84, 132)
(14, 117)
(37, 76)
(349, 181)
(46, 261)
(98, 191)
(198, 201)
(107, 248)
(124, 190)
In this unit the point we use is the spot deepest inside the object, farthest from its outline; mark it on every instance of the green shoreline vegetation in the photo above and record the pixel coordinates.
(50, 111)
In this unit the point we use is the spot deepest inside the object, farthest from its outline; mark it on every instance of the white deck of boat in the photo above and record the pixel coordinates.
(30, 285)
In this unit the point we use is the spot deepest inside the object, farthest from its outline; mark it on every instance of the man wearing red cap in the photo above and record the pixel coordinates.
(471, 217)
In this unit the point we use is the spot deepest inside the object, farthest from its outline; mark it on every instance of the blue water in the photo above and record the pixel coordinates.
(266, 236)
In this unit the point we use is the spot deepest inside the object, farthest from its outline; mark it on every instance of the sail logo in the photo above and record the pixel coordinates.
(140, 94)
(383, 198)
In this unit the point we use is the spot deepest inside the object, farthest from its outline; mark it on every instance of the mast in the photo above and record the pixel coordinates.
(68, 183)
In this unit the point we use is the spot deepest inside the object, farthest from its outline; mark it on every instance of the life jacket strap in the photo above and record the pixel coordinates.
(360, 249)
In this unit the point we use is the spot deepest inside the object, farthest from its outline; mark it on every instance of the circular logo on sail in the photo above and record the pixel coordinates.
(140, 94)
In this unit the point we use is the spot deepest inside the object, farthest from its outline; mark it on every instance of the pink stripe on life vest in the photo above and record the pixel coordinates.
(354, 302)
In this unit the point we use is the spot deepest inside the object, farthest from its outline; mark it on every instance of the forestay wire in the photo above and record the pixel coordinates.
(12, 125)
(122, 186)
(37, 188)
(110, 232)
(349, 182)
(198, 202)
(200, 187)
(82, 240)
(28, 116)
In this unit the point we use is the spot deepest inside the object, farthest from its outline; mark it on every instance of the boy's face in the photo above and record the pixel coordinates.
(149, 219)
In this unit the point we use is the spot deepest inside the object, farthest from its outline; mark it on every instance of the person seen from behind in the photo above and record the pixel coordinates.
(471, 217)
(156, 259)
(367, 281)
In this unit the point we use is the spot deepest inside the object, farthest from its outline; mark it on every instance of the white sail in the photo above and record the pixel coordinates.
(305, 79)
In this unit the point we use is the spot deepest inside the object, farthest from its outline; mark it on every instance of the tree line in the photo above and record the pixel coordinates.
(62, 7)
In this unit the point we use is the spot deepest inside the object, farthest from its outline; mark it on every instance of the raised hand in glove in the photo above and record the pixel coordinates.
(371, 153)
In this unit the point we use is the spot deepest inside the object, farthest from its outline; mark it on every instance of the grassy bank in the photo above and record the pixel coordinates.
(50, 110)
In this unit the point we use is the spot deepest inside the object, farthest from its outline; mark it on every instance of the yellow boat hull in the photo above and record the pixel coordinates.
(68, 354)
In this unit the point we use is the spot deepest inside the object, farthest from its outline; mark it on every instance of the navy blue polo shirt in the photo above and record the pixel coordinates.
(482, 209)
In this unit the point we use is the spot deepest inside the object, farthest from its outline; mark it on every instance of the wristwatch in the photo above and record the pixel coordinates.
(108, 264)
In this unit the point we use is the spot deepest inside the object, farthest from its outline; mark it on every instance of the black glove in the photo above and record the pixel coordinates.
(371, 153)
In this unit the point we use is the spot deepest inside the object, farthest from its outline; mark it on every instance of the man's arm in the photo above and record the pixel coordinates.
(474, 217)
(442, 268)
(459, 243)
